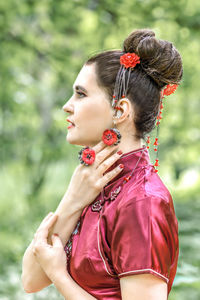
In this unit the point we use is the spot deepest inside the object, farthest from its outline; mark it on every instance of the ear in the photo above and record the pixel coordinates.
(125, 109)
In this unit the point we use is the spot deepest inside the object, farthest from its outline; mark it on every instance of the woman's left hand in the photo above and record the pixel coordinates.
(52, 258)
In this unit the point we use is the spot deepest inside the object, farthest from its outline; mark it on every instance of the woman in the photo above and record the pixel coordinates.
(115, 227)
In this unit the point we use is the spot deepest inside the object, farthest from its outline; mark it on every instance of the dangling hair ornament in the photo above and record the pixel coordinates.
(168, 90)
(128, 61)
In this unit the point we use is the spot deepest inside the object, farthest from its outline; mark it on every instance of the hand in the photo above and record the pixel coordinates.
(52, 258)
(88, 181)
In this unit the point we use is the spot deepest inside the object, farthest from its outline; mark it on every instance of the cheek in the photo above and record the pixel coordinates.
(94, 114)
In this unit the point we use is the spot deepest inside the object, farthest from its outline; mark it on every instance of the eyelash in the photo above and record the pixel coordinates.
(81, 94)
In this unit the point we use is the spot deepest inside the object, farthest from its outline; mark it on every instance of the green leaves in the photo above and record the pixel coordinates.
(43, 46)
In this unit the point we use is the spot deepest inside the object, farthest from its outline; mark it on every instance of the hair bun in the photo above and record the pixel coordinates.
(132, 41)
(159, 58)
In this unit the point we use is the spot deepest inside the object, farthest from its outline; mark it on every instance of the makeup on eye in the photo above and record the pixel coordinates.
(80, 94)
(80, 90)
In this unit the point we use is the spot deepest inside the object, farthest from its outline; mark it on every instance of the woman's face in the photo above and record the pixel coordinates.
(89, 109)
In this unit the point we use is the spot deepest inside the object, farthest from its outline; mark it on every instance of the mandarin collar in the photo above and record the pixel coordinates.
(129, 160)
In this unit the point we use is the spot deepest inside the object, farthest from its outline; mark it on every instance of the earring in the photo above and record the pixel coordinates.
(119, 113)
(111, 136)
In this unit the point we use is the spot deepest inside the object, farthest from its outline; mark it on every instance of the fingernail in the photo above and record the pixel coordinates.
(121, 166)
(119, 152)
(55, 234)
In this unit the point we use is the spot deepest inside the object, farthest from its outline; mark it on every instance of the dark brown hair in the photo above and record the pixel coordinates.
(160, 65)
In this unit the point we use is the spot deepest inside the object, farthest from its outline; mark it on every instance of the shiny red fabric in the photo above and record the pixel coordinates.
(135, 233)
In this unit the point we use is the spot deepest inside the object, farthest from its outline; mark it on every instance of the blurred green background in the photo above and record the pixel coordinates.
(43, 46)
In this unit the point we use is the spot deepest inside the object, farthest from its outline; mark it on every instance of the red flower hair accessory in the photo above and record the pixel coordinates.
(111, 136)
(170, 89)
(129, 60)
(86, 156)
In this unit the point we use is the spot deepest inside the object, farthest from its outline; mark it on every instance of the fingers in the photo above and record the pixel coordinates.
(43, 230)
(46, 218)
(101, 145)
(48, 221)
(39, 246)
(51, 221)
(110, 175)
(98, 147)
(56, 241)
(109, 161)
(34, 250)
(104, 154)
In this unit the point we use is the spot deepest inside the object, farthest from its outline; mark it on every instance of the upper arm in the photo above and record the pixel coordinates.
(143, 287)
(143, 240)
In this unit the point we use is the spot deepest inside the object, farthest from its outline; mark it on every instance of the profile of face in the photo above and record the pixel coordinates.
(89, 109)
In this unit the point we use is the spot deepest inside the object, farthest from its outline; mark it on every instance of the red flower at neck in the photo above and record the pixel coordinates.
(87, 156)
(111, 136)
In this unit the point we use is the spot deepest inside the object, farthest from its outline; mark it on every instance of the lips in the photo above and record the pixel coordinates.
(68, 120)
(71, 123)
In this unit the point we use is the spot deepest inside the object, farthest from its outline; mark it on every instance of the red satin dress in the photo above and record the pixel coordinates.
(135, 232)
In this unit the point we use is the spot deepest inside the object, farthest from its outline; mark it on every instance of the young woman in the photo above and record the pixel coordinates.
(114, 234)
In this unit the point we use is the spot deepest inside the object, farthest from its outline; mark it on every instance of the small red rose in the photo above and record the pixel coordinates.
(129, 60)
(170, 89)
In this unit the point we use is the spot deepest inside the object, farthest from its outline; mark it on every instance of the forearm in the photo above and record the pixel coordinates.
(70, 289)
(68, 214)
(33, 276)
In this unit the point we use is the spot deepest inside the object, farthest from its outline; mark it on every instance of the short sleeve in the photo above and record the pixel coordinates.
(144, 238)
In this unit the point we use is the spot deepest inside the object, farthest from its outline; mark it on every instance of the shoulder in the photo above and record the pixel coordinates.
(146, 200)
(146, 187)
(144, 232)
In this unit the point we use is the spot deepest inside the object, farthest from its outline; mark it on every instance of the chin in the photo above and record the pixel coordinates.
(81, 143)
(72, 141)
(78, 139)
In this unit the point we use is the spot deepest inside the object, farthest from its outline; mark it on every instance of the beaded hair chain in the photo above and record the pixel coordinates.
(170, 89)
(128, 61)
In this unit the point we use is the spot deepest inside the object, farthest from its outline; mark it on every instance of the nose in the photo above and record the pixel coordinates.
(68, 107)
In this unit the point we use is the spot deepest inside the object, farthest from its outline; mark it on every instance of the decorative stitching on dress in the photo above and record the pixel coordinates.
(98, 240)
(145, 270)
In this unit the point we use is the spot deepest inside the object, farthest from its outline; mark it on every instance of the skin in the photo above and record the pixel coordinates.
(84, 186)
(91, 112)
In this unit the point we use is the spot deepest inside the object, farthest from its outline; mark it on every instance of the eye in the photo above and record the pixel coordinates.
(80, 94)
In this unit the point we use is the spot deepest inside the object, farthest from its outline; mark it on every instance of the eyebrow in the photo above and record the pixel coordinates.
(79, 87)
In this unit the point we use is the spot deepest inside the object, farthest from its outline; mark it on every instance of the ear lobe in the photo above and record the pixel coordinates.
(119, 113)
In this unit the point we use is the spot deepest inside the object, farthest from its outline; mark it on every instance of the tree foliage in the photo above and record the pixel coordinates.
(43, 46)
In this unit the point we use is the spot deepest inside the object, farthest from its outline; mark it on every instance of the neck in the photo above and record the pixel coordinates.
(127, 145)
(128, 141)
